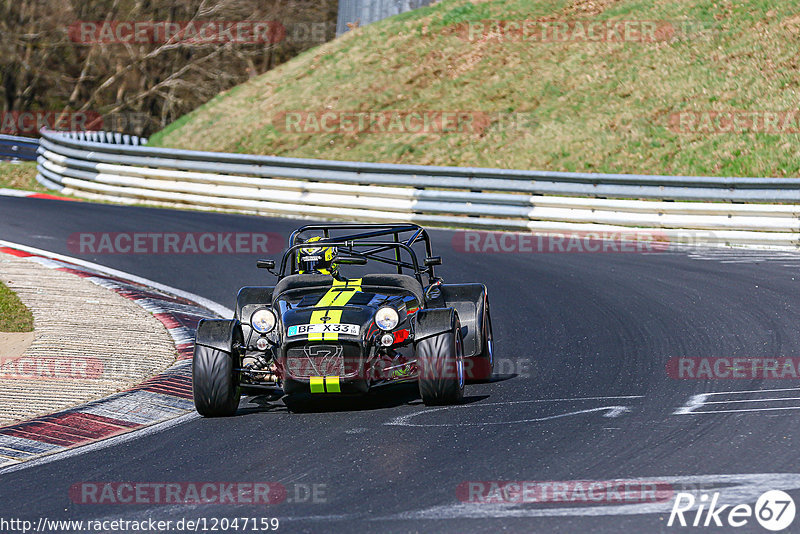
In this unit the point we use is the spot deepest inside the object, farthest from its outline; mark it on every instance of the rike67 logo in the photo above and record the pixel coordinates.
(774, 510)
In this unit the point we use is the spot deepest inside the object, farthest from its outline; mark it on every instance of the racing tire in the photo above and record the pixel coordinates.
(481, 366)
(440, 361)
(215, 386)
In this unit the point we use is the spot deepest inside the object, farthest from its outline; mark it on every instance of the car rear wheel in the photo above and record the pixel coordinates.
(481, 366)
(214, 382)
(440, 361)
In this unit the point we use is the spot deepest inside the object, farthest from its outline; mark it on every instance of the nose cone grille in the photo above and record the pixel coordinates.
(312, 359)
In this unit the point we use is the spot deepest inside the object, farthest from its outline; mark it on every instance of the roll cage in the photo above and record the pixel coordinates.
(351, 239)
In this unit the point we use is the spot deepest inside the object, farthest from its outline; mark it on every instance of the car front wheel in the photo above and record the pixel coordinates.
(440, 361)
(214, 382)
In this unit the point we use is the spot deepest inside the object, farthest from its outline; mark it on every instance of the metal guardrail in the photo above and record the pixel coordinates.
(728, 210)
(14, 147)
(365, 12)
(112, 138)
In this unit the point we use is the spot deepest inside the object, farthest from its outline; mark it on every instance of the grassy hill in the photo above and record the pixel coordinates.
(586, 106)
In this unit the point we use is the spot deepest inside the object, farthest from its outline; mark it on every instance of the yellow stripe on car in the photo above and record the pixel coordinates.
(338, 295)
(325, 384)
(317, 384)
(332, 384)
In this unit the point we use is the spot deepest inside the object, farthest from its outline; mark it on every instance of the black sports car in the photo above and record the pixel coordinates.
(317, 333)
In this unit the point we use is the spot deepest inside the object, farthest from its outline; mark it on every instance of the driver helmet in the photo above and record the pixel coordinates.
(318, 260)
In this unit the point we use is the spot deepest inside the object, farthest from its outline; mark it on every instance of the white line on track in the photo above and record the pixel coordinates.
(734, 489)
(753, 400)
(612, 411)
(740, 410)
(15, 193)
(696, 402)
(750, 391)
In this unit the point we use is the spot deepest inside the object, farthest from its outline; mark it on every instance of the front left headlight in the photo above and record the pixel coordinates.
(387, 318)
(263, 320)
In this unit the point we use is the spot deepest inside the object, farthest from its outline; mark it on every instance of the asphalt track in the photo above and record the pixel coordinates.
(584, 340)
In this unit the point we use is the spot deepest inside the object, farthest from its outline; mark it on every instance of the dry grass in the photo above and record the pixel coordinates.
(19, 176)
(601, 107)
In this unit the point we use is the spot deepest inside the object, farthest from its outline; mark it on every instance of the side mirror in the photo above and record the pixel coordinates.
(351, 261)
(265, 264)
(434, 260)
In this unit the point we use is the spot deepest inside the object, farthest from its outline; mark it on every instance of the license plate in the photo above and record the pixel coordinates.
(334, 328)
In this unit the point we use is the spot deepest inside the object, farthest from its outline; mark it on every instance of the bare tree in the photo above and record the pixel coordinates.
(48, 63)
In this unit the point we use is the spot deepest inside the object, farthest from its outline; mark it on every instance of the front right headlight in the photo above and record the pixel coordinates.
(386, 318)
(263, 320)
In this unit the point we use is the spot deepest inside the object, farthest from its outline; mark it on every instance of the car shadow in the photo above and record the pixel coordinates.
(389, 396)
(468, 399)
(501, 378)
(384, 397)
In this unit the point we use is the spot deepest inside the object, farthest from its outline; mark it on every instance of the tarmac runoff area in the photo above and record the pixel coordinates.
(88, 342)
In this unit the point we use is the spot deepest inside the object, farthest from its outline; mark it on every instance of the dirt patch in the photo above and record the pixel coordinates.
(590, 7)
(14, 345)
